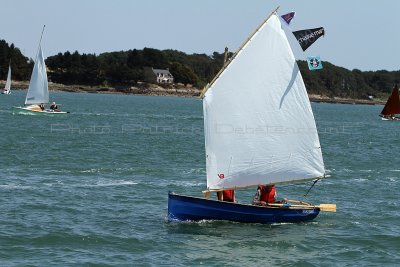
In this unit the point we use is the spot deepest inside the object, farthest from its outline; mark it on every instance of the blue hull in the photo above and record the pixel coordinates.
(186, 208)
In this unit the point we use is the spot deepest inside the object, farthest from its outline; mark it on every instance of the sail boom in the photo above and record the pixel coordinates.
(254, 186)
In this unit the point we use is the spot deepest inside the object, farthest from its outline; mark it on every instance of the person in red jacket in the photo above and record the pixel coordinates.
(226, 195)
(266, 194)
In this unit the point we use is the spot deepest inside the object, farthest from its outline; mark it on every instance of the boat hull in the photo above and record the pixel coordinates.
(29, 111)
(186, 208)
(391, 119)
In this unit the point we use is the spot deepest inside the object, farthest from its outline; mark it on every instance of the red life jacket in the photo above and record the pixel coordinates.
(267, 193)
(228, 195)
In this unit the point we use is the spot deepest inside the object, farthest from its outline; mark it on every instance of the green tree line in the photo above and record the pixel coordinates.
(21, 66)
(126, 68)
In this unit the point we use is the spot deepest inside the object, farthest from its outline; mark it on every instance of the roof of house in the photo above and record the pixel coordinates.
(161, 71)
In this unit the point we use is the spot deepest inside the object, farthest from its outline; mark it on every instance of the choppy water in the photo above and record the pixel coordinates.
(90, 188)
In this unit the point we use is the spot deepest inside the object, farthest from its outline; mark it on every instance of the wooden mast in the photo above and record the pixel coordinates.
(226, 64)
(226, 55)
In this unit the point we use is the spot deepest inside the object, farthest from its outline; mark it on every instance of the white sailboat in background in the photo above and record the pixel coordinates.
(38, 91)
(7, 88)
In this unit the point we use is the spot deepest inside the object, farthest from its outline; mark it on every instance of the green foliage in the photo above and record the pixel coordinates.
(128, 67)
(73, 68)
(183, 73)
(21, 66)
(340, 82)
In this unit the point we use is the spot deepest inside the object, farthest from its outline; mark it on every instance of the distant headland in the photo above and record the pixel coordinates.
(178, 90)
(170, 72)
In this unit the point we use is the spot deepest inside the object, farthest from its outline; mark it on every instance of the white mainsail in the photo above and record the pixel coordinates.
(38, 91)
(7, 88)
(259, 126)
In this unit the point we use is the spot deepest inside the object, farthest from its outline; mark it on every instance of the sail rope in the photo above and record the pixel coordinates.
(315, 181)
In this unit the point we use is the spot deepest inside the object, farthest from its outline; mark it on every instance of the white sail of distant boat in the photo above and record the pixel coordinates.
(38, 91)
(259, 126)
(7, 88)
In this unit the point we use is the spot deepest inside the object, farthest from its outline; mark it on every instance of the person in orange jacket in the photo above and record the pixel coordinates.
(266, 194)
(226, 195)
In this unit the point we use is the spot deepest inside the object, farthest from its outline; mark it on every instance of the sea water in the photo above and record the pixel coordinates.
(90, 188)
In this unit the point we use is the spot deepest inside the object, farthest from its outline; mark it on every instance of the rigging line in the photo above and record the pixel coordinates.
(311, 186)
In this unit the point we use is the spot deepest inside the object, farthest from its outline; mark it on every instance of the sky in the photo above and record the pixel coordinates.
(360, 34)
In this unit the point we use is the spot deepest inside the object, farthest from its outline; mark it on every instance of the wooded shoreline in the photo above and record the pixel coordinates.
(175, 90)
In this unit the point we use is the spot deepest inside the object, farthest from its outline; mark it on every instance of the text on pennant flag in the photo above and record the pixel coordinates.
(307, 37)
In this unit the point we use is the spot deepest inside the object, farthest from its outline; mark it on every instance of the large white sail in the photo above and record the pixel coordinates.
(259, 126)
(38, 91)
(7, 88)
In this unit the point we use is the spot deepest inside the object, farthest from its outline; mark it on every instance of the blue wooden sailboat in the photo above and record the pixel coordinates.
(187, 208)
(259, 129)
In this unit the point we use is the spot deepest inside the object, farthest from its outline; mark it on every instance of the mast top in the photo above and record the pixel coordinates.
(226, 63)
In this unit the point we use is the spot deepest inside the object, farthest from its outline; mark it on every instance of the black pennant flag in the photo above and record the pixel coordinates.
(307, 37)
